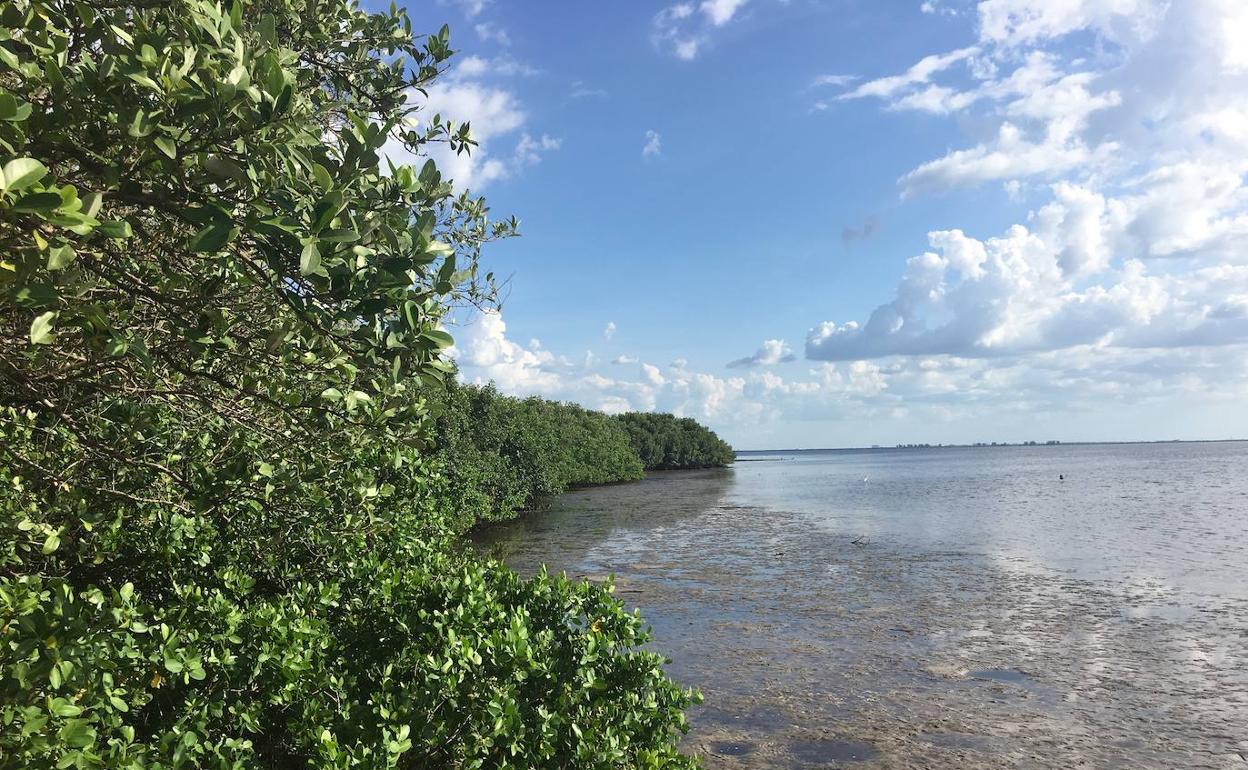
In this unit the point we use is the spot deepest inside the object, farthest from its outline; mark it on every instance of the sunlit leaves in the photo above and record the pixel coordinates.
(223, 537)
(41, 329)
(20, 173)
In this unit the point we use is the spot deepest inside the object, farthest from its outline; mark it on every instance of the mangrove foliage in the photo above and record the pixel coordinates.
(226, 535)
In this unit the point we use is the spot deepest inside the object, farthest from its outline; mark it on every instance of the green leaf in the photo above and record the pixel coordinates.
(91, 203)
(340, 236)
(310, 259)
(60, 256)
(439, 248)
(439, 338)
(212, 238)
(326, 209)
(78, 734)
(226, 169)
(357, 397)
(63, 708)
(323, 177)
(144, 80)
(36, 295)
(268, 29)
(52, 542)
(41, 333)
(167, 146)
(117, 228)
(21, 173)
(265, 470)
(40, 201)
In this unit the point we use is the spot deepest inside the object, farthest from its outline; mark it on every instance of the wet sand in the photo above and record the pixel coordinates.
(815, 648)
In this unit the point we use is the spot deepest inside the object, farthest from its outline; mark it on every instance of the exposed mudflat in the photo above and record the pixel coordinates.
(816, 648)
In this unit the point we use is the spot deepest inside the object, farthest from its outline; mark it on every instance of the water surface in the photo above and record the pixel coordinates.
(940, 608)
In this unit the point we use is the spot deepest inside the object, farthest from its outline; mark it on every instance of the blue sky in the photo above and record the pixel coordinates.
(841, 222)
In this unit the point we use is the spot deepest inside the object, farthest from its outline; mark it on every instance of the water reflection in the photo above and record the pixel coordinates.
(958, 610)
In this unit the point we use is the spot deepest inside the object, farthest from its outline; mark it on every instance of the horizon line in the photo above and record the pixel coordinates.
(991, 445)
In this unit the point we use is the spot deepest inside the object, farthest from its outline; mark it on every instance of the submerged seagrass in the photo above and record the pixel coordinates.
(224, 538)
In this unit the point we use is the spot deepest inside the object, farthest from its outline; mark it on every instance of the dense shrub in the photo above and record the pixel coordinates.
(223, 541)
(666, 442)
(503, 454)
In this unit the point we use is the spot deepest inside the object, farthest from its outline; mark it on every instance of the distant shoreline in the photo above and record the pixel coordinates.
(1024, 445)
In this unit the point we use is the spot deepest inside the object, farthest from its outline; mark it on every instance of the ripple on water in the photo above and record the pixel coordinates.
(828, 751)
(915, 625)
(1007, 675)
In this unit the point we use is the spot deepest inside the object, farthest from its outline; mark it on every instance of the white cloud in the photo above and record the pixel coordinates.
(470, 8)
(483, 348)
(609, 332)
(495, 114)
(1122, 293)
(653, 146)
(529, 151)
(1143, 241)
(857, 401)
(684, 28)
(771, 353)
(720, 12)
(832, 80)
(921, 72)
(492, 33)
(1020, 22)
(1011, 156)
(582, 91)
(504, 66)
(1059, 284)
(933, 8)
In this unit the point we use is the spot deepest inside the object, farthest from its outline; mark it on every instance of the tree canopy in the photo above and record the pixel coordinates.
(667, 442)
(224, 538)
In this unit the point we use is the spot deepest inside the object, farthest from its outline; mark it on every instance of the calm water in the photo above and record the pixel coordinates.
(940, 607)
(1169, 516)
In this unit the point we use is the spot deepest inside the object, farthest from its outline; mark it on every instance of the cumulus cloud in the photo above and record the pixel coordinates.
(477, 66)
(609, 332)
(684, 29)
(653, 146)
(921, 72)
(469, 93)
(470, 8)
(771, 353)
(1121, 124)
(529, 151)
(1134, 133)
(492, 33)
(1052, 285)
(483, 347)
(1011, 156)
(856, 401)
(1021, 22)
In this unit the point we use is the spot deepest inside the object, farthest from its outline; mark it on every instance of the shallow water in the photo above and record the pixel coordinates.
(944, 608)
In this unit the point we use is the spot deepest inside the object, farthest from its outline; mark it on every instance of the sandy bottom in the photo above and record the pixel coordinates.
(817, 649)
